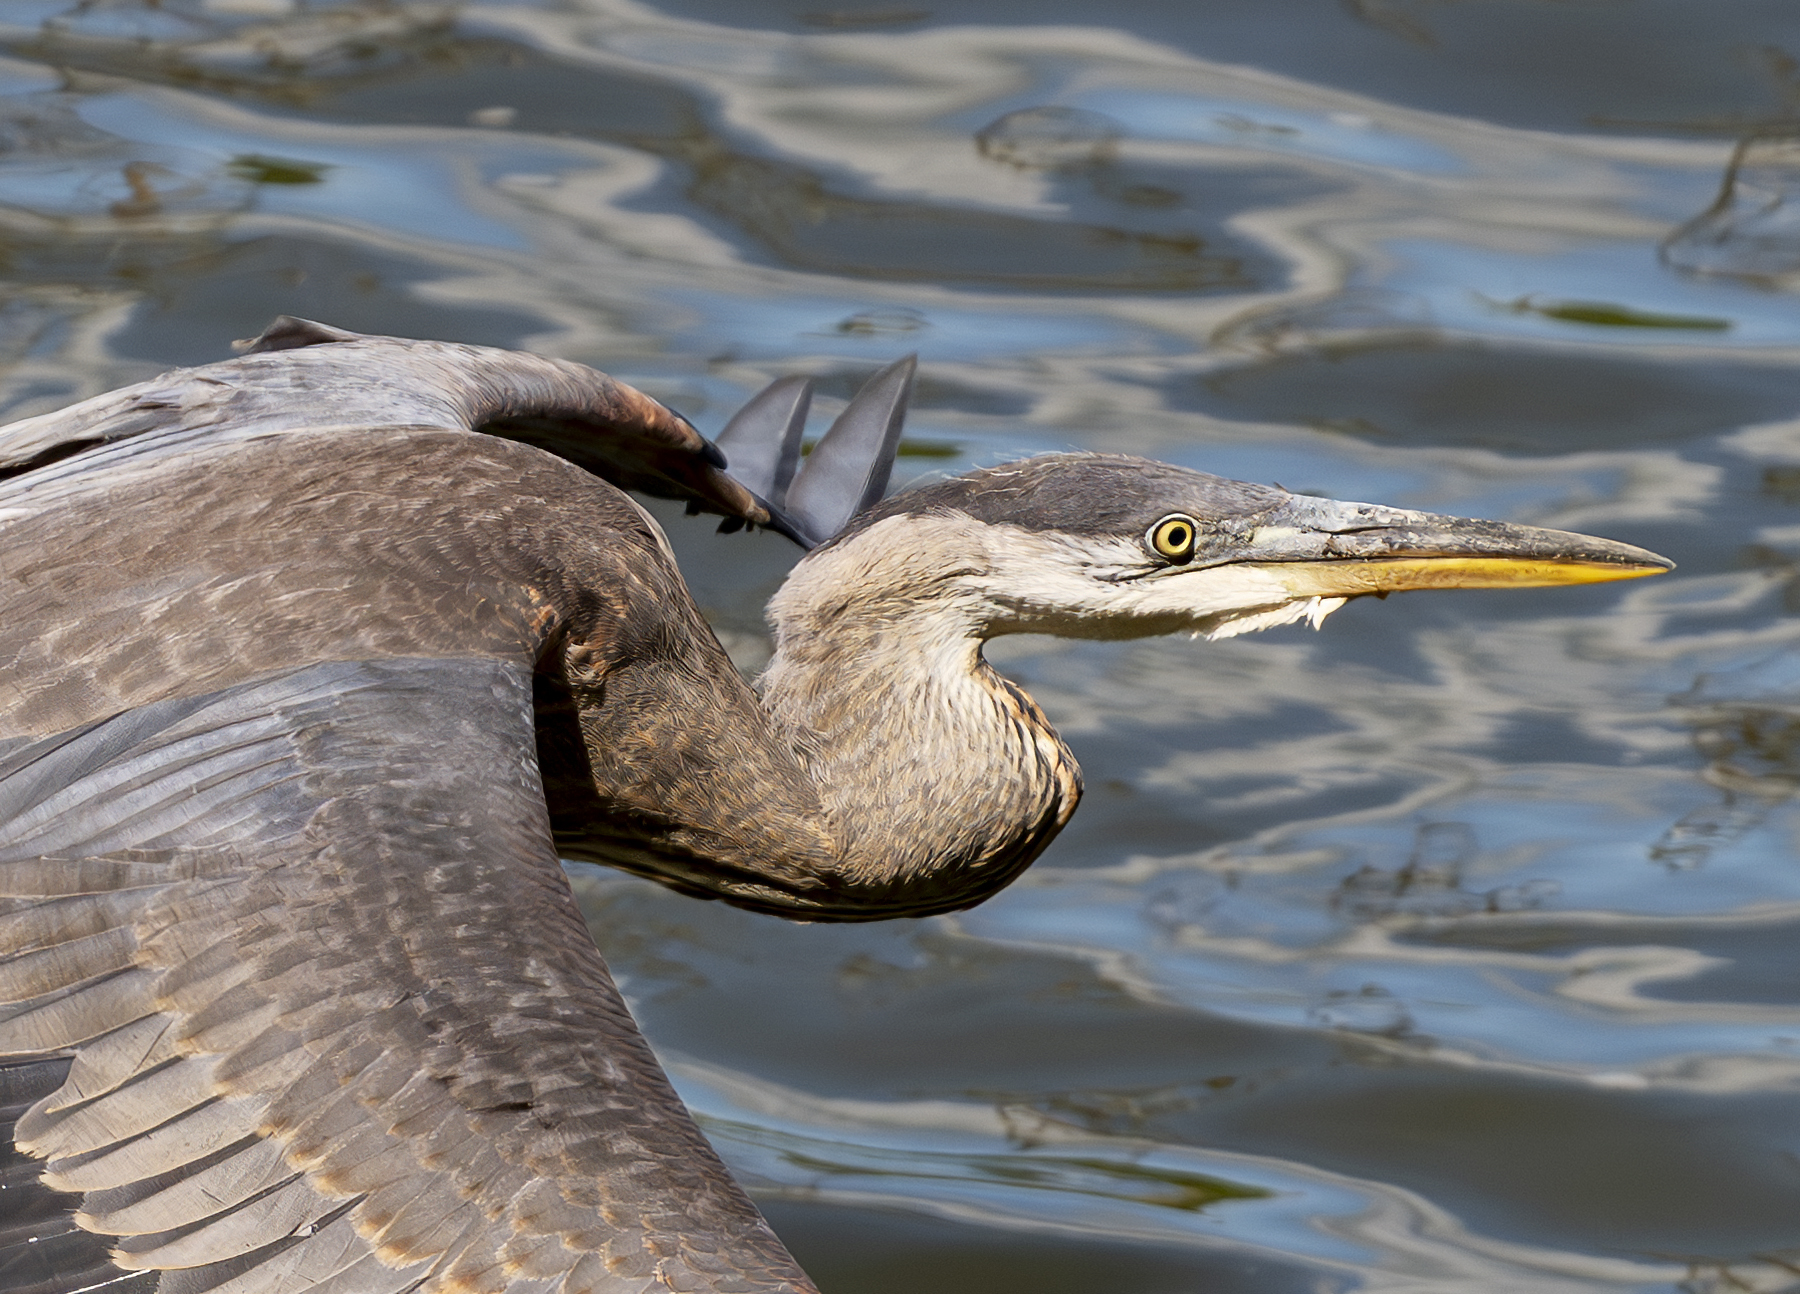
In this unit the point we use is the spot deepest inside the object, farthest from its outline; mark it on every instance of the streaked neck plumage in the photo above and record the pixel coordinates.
(941, 780)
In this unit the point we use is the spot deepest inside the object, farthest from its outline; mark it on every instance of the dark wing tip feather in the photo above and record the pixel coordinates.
(762, 439)
(848, 471)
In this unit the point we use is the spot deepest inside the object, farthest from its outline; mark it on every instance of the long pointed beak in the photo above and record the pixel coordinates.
(1323, 548)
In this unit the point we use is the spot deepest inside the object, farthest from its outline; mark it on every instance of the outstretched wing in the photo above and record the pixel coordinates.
(300, 375)
(330, 1016)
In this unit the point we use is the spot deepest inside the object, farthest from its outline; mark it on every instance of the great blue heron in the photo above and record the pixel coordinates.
(305, 686)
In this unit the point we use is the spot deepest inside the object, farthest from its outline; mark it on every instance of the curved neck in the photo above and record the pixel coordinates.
(940, 780)
(886, 770)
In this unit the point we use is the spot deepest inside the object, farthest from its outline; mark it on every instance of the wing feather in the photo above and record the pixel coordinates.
(199, 965)
(45, 971)
(310, 1265)
(286, 1209)
(333, 1258)
(202, 1280)
(60, 1020)
(44, 925)
(109, 1061)
(192, 1135)
(250, 1169)
(133, 1108)
(116, 877)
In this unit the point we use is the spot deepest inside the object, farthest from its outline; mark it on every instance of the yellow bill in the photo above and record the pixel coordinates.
(1354, 577)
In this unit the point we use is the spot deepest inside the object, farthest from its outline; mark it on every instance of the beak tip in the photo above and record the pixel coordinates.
(1639, 562)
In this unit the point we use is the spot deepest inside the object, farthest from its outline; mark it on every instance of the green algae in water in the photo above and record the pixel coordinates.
(1106, 1179)
(1604, 314)
(909, 447)
(928, 449)
(259, 168)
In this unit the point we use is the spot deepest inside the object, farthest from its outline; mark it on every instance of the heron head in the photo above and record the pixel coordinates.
(1109, 546)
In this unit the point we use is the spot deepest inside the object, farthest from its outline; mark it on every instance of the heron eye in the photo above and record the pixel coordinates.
(1173, 537)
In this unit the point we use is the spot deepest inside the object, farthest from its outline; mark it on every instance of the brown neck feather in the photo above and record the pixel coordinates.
(941, 780)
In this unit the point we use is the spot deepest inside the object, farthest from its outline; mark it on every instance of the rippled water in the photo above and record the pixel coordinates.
(1450, 949)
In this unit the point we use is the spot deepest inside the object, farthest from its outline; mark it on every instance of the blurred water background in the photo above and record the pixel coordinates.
(1450, 950)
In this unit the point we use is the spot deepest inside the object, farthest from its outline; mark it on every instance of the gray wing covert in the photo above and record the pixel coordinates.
(335, 1021)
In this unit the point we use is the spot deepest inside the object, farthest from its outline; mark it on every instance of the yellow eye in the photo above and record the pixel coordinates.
(1173, 537)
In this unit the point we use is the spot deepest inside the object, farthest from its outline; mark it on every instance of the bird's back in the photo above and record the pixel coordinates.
(138, 581)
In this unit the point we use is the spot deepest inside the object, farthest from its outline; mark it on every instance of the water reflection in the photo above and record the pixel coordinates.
(1449, 949)
(1751, 231)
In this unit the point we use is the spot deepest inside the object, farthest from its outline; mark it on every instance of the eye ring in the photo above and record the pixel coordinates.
(1173, 537)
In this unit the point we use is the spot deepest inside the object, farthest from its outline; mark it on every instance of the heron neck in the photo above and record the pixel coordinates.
(941, 779)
